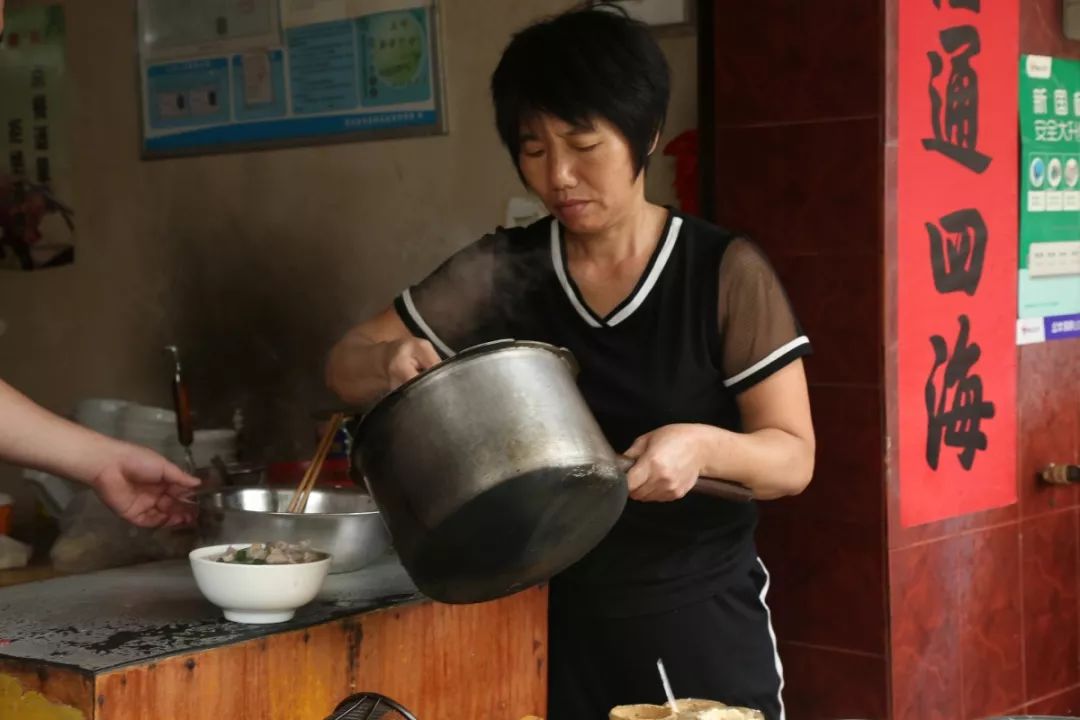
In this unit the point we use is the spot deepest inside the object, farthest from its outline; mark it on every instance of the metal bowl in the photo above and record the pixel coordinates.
(344, 523)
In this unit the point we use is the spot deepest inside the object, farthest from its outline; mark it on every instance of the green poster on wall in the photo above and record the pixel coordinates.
(1049, 273)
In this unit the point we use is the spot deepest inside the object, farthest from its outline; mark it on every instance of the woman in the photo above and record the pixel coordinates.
(690, 359)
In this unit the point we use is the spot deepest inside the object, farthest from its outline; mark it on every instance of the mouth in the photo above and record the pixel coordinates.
(571, 206)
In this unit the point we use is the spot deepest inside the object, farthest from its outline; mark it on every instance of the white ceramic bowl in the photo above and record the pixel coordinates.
(150, 427)
(101, 414)
(256, 593)
(145, 414)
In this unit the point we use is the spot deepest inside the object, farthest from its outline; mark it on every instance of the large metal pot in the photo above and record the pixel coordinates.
(492, 473)
(344, 523)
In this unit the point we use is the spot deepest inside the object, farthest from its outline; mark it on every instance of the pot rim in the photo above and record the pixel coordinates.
(494, 347)
(202, 494)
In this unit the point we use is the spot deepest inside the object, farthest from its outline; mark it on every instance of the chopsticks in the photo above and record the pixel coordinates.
(303, 491)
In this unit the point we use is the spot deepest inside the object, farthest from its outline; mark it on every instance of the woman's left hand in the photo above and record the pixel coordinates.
(667, 462)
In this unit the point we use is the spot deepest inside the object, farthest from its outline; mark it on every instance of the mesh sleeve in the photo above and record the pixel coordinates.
(454, 307)
(758, 329)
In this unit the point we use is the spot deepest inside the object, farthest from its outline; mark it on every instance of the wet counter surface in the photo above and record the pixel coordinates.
(105, 620)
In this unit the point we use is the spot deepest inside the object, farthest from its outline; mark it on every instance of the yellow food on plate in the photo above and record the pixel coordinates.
(693, 705)
(692, 709)
(728, 713)
(641, 712)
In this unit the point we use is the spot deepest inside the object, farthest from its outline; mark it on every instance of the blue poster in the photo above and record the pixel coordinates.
(339, 78)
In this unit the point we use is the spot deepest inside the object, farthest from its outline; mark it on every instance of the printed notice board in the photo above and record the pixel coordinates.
(1049, 262)
(220, 75)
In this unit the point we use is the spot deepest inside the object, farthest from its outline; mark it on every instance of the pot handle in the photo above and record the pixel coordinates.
(723, 489)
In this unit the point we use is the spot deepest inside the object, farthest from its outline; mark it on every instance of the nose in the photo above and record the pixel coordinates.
(561, 172)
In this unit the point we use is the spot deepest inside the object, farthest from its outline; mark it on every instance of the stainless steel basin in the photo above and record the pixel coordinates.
(344, 523)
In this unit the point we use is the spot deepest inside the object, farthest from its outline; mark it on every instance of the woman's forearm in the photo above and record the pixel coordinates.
(771, 462)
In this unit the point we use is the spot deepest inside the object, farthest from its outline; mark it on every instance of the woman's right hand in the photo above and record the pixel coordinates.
(406, 358)
(376, 357)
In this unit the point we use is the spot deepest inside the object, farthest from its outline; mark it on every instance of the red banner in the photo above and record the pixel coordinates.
(956, 253)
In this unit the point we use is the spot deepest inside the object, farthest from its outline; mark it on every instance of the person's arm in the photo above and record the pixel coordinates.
(137, 484)
(375, 357)
(450, 308)
(773, 456)
(762, 346)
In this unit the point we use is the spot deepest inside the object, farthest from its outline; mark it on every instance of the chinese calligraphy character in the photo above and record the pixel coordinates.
(957, 255)
(37, 78)
(40, 105)
(956, 134)
(1040, 101)
(15, 131)
(956, 421)
(41, 138)
(972, 5)
(1061, 102)
(43, 174)
(17, 163)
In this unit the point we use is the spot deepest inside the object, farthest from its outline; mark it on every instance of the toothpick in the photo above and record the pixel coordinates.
(667, 686)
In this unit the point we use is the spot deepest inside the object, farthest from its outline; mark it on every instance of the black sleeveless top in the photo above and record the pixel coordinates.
(707, 320)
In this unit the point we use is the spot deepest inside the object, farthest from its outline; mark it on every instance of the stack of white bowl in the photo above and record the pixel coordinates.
(155, 428)
(151, 427)
(101, 414)
(207, 444)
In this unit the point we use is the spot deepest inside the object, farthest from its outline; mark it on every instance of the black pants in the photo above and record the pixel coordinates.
(721, 649)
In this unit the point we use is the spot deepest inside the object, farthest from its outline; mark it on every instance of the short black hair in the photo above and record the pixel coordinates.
(582, 64)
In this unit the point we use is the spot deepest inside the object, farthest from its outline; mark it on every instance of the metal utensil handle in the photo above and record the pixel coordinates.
(184, 428)
(723, 489)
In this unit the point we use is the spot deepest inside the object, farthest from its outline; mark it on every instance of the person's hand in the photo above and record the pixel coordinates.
(405, 359)
(667, 462)
(144, 488)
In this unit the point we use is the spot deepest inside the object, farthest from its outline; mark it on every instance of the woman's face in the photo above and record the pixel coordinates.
(583, 173)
